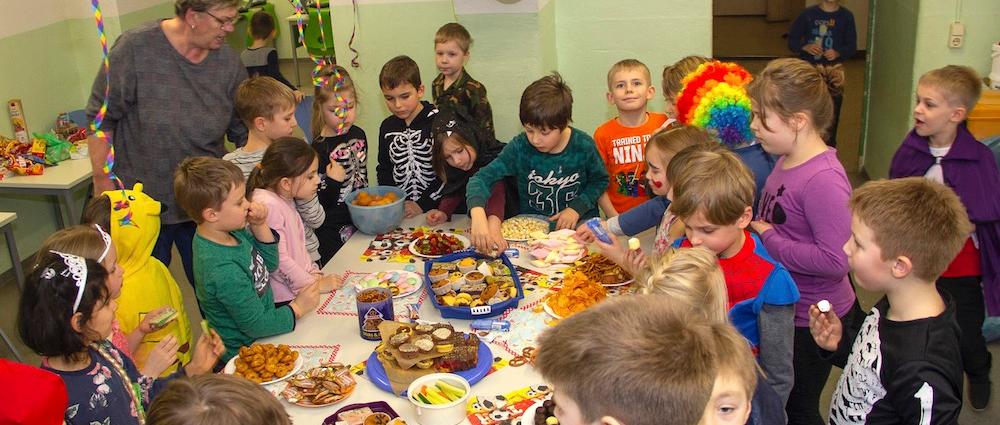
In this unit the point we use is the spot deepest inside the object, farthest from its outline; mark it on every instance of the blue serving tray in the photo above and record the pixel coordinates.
(484, 361)
(471, 313)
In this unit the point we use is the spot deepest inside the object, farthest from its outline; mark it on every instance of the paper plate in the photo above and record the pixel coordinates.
(231, 369)
(356, 282)
(464, 240)
(376, 372)
(527, 418)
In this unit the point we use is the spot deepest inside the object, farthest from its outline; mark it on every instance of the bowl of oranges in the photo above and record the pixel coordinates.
(376, 209)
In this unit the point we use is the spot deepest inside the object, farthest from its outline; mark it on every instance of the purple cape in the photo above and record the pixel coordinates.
(971, 170)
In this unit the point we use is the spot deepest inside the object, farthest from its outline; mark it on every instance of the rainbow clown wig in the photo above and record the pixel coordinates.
(714, 98)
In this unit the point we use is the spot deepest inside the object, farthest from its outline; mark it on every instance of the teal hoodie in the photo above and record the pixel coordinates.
(546, 183)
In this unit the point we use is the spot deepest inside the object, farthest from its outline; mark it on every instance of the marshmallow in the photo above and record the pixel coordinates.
(823, 306)
(633, 244)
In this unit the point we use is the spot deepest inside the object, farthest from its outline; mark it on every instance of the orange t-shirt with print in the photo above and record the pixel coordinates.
(622, 149)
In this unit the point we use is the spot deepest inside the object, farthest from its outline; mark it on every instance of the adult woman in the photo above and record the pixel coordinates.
(171, 88)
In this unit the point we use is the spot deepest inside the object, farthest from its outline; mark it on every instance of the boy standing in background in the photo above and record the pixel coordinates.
(454, 89)
(622, 140)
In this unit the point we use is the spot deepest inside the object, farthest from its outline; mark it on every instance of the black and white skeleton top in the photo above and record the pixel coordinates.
(899, 372)
(404, 157)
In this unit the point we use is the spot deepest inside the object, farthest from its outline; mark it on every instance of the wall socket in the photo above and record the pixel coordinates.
(956, 35)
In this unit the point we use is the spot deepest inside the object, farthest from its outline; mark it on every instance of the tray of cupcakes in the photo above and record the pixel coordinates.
(469, 285)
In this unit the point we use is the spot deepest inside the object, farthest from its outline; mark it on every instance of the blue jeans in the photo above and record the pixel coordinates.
(180, 234)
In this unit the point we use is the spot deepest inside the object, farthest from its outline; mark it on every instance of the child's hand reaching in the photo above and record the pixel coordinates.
(825, 328)
(412, 209)
(298, 95)
(565, 219)
(632, 260)
(585, 235)
(496, 235)
(160, 357)
(306, 300)
(436, 217)
(330, 282)
(206, 354)
(336, 171)
(831, 54)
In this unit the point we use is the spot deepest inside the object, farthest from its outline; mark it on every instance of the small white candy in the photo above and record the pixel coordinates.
(633, 244)
(823, 306)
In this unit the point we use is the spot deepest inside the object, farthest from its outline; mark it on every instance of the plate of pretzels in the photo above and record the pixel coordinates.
(265, 363)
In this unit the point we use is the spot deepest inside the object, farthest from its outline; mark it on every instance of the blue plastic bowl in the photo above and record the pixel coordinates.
(377, 219)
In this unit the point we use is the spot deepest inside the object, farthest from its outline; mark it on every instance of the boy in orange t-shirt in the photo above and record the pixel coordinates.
(622, 140)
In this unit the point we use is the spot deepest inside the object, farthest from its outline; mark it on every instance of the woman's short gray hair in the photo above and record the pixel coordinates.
(182, 6)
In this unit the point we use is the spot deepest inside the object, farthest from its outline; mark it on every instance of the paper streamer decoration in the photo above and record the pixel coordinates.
(714, 98)
(324, 69)
(96, 125)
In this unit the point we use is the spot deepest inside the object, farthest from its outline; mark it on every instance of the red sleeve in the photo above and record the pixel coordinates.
(448, 204)
(496, 204)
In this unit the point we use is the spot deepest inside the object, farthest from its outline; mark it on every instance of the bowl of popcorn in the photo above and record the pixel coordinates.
(520, 228)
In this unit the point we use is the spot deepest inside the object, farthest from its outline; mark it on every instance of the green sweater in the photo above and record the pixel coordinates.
(546, 183)
(233, 290)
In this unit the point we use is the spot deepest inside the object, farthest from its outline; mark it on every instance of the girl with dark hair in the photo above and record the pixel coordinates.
(66, 315)
(286, 173)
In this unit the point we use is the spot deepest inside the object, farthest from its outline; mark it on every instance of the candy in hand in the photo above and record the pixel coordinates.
(823, 306)
(633, 244)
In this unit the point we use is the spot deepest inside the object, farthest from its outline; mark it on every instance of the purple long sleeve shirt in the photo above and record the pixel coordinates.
(808, 207)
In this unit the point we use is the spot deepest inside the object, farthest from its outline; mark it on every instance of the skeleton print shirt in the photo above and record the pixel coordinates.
(350, 150)
(899, 372)
(404, 157)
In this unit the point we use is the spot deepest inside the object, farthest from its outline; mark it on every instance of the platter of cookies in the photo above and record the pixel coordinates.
(409, 351)
(324, 385)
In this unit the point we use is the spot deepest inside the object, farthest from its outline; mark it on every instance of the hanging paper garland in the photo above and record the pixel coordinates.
(97, 124)
(320, 78)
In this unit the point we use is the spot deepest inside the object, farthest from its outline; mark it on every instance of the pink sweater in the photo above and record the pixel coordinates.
(295, 267)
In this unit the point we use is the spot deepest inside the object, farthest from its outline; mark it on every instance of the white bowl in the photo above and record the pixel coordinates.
(440, 414)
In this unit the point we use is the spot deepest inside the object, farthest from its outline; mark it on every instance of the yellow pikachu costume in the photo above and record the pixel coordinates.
(148, 285)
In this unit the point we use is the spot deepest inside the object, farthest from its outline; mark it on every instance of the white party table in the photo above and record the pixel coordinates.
(332, 332)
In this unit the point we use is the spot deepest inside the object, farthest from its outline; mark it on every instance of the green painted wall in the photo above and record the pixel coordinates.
(591, 35)
(48, 83)
(579, 38)
(891, 83)
(910, 39)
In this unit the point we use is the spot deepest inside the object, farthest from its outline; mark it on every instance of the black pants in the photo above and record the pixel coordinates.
(970, 312)
(838, 100)
(181, 235)
(811, 372)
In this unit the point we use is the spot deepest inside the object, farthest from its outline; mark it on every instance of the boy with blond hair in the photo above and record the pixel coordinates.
(621, 141)
(712, 194)
(552, 163)
(941, 149)
(454, 89)
(405, 140)
(267, 107)
(661, 359)
(233, 261)
(903, 363)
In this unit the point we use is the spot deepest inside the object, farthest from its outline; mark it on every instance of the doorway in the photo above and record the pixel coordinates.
(753, 32)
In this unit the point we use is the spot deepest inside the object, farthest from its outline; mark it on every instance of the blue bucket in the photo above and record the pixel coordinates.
(377, 219)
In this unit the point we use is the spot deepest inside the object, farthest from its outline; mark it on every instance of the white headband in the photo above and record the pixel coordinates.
(76, 267)
(107, 242)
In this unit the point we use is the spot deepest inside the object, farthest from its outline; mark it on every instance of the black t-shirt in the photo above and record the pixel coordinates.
(899, 372)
